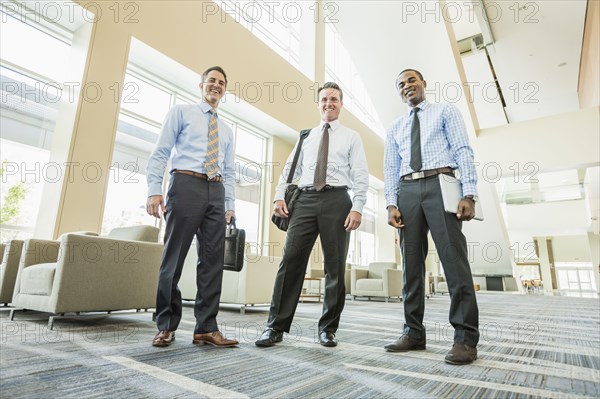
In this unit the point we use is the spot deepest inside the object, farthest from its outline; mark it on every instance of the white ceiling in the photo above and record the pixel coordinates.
(385, 37)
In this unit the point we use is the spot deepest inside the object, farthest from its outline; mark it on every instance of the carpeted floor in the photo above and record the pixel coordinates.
(531, 346)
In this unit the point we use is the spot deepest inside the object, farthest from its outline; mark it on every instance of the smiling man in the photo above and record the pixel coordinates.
(331, 162)
(428, 141)
(200, 200)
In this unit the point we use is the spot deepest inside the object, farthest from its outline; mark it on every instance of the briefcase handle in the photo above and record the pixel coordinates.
(232, 225)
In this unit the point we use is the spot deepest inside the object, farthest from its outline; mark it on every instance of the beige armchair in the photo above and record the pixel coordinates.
(253, 285)
(381, 279)
(82, 273)
(10, 254)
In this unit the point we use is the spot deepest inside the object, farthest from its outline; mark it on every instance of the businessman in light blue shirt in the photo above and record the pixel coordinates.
(200, 200)
(429, 141)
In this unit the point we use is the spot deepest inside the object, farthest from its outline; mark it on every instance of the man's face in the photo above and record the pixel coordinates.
(330, 104)
(411, 88)
(213, 88)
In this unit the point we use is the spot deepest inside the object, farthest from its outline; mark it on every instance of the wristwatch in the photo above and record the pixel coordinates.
(471, 197)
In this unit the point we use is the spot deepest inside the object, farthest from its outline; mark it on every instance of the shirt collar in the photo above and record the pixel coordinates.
(205, 107)
(333, 125)
(422, 105)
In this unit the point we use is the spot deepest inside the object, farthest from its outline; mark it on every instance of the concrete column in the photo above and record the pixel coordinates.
(544, 264)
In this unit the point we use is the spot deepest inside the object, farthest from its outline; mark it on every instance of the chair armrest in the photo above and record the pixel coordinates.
(37, 251)
(392, 282)
(9, 269)
(357, 274)
(34, 252)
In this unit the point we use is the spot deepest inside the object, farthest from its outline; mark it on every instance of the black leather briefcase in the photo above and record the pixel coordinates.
(235, 243)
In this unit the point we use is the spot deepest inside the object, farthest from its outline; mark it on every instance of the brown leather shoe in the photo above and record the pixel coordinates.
(214, 338)
(405, 344)
(461, 354)
(163, 338)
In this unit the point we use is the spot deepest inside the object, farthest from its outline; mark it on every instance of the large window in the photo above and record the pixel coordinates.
(576, 279)
(275, 23)
(34, 56)
(340, 68)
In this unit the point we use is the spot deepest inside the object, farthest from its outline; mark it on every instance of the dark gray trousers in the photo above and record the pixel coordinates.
(194, 208)
(420, 203)
(315, 213)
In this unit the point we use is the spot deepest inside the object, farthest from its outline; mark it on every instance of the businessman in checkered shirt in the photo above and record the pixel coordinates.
(430, 140)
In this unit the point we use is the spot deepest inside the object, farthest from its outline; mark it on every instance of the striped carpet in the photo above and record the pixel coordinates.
(531, 346)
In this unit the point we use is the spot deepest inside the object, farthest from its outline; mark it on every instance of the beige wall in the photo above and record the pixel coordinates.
(589, 71)
(184, 32)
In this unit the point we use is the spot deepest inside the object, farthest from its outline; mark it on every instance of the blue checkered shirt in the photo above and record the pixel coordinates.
(444, 142)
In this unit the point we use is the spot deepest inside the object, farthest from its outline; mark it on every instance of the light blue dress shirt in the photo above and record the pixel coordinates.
(444, 142)
(184, 138)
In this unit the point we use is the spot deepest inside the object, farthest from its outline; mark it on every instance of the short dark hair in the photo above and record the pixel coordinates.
(332, 85)
(214, 68)
(419, 74)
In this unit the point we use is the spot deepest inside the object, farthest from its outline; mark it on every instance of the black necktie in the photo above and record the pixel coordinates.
(415, 143)
(320, 178)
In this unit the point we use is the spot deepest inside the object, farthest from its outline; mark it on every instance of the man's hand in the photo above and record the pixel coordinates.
(280, 209)
(466, 209)
(394, 217)
(153, 204)
(352, 221)
(229, 215)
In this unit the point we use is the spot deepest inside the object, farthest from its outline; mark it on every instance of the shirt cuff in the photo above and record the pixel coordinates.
(155, 189)
(469, 189)
(358, 207)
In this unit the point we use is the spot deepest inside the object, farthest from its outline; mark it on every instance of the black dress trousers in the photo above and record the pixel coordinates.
(315, 213)
(420, 203)
(195, 207)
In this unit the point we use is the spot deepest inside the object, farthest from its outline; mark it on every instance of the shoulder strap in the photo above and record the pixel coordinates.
(303, 134)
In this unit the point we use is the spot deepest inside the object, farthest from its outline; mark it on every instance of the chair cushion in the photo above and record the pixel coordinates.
(38, 279)
(369, 284)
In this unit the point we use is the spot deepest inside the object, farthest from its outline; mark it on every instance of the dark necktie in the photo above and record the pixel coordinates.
(321, 169)
(212, 151)
(415, 143)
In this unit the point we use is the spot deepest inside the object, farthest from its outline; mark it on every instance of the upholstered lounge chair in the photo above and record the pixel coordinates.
(381, 279)
(83, 273)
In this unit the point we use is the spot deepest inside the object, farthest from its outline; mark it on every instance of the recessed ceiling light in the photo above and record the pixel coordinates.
(562, 64)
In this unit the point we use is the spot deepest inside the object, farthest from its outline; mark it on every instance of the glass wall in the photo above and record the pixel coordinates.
(362, 249)
(34, 56)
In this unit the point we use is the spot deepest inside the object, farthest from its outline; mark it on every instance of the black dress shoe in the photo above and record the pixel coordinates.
(327, 338)
(461, 354)
(269, 338)
(405, 344)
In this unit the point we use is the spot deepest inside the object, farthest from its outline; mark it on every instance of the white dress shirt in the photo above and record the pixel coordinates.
(346, 163)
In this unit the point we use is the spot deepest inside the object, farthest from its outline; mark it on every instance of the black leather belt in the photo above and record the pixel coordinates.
(326, 188)
(201, 176)
(426, 173)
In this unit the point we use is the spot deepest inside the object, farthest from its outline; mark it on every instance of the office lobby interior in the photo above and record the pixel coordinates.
(85, 88)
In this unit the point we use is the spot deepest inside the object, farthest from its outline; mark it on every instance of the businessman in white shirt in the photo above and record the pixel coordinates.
(331, 162)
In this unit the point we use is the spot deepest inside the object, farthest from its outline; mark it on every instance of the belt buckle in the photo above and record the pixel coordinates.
(417, 175)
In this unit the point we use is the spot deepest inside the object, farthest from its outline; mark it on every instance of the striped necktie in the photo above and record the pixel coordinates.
(212, 150)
